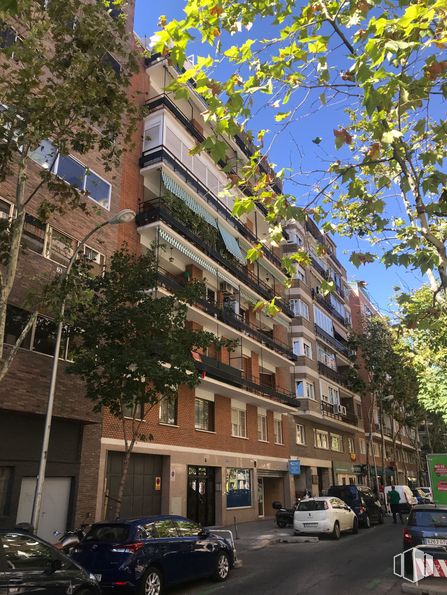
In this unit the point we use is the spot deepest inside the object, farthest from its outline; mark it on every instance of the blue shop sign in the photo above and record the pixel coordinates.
(294, 467)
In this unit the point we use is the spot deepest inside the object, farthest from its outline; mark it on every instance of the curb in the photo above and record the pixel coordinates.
(425, 589)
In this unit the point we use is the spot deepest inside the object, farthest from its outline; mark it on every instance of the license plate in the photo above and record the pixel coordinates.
(98, 577)
(433, 541)
(310, 524)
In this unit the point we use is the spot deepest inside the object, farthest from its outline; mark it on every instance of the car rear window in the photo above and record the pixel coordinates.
(108, 533)
(309, 505)
(346, 493)
(428, 518)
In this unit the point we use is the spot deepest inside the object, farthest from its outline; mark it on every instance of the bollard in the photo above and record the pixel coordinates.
(236, 536)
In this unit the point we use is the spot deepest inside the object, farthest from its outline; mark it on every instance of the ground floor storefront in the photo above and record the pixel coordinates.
(212, 488)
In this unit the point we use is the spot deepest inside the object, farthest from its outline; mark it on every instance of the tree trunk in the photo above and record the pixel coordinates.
(7, 277)
(382, 436)
(123, 479)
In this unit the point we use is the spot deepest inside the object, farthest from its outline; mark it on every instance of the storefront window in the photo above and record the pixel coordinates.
(238, 487)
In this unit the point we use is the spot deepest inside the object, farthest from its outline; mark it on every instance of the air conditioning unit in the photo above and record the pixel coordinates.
(339, 409)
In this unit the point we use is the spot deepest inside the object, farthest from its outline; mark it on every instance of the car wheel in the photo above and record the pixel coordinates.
(151, 583)
(336, 533)
(355, 526)
(381, 517)
(281, 524)
(367, 522)
(222, 569)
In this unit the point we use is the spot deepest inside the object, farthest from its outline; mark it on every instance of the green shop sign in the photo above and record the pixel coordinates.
(437, 471)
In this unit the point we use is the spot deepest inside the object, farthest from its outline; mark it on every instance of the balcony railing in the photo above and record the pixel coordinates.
(331, 374)
(328, 410)
(238, 378)
(155, 210)
(191, 178)
(335, 343)
(229, 317)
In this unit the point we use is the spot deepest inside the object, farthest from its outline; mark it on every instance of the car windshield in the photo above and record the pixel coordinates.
(309, 505)
(109, 533)
(428, 518)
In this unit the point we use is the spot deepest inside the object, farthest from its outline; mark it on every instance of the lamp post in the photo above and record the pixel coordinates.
(124, 216)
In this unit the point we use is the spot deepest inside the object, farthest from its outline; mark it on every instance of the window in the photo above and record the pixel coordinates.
(8, 36)
(44, 336)
(359, 410)
(323, 321)
(238, 487)
(351, 445)
(165, 528)
(238, 423)
(204, 415)
(262, 427)
(23, 552)
(6, 209)
(305, 389)
(131, 409)
(111, 62)
(300, 434)
(337, 442)
(362, 445)
(34, 233)
(327, 357)
(5, 486)
(338, 306)
(60, 247)
(302, 347)
(321, 439)
(277, 429)
(73, 172)
(16, 320)
(299, 308)
(299, 273)
(95, 259)
(376, 450)
(334, 395)
(168, 411)
(187, 528)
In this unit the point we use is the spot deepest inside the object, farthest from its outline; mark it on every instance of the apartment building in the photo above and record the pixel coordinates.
(327, 434)
(401, 452)
(220, 451)
(73, 459)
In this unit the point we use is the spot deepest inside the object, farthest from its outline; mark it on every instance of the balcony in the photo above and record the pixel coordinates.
(240, 379)
(148, 157)
(328, 411)
(335, 343)
(156, 210)
(331, 374)
(229, 317)
(330, 308)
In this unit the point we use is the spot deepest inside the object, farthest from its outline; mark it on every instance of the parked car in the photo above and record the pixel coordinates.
(420, 496)
(147, 554)
(29, 564)
(363, 502)
(426, 525)
(407, 500)
(325, 514)
(427, 491)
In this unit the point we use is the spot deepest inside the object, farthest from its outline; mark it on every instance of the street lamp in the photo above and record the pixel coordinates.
(124, 216)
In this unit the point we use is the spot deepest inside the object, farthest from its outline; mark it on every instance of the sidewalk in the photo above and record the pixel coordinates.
(428, 586)
(255, 535)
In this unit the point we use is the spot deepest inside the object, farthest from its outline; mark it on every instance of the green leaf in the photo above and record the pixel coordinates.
(279, 117)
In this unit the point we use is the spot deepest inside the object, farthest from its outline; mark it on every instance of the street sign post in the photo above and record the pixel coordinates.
(437, 472)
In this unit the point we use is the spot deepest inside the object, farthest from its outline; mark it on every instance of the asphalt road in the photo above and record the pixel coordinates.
(355, 565)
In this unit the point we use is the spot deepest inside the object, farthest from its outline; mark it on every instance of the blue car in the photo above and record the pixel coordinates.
(147, 554)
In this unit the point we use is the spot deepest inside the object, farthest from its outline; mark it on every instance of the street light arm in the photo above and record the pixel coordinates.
(80, 246)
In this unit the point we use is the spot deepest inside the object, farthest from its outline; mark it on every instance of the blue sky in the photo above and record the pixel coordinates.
(380, 280)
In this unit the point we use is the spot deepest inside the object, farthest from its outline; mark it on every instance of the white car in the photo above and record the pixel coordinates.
(326, 514)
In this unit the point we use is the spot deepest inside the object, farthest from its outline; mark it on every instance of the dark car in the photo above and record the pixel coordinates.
(30, 565)
(421, 496)
(149, 553)
(426, 525)
(363, 502)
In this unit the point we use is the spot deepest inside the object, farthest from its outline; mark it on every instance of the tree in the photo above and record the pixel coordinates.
(134, 346)
(388, 378)
(423, 325)
(58, 82)
(382, 59)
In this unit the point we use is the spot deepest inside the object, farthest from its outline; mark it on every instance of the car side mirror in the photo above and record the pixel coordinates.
(53, 566)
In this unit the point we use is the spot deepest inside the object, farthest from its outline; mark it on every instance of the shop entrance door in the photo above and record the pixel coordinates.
(201, 501)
